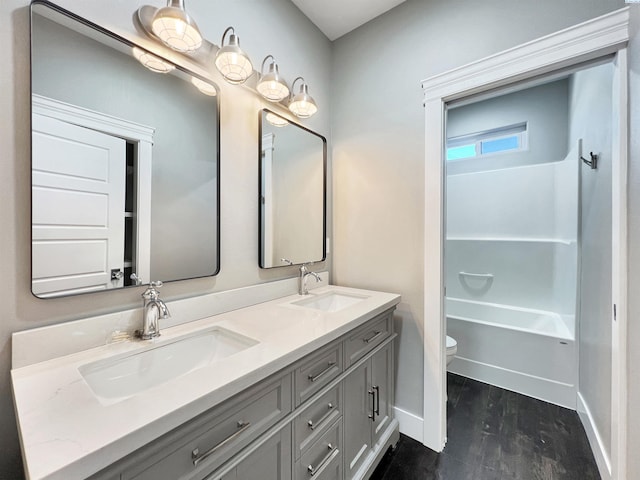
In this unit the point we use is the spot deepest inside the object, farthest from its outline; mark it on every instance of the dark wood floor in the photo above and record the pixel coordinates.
(495, 434)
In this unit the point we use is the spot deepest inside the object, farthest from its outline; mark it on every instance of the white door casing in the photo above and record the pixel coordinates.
(142, 137)
(78, 189)
(591, 40)
(268, 145)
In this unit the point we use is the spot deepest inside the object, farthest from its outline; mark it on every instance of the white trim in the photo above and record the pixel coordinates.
(266, 202)
(84, 117)
(588, 41)
(583, 42)
(619, 267)
(142, 135)
(595, 439)
(410, 425)
(550, 391)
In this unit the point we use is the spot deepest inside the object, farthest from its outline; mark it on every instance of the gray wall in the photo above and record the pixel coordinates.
(544, 108)
(378, 140)
(265, 26)
(590, 113)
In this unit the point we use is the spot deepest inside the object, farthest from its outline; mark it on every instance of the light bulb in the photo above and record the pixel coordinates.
(153, 63)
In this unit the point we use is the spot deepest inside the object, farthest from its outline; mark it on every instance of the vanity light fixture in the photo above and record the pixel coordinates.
(175, 28)
(234, 65)
(276, 121)
(153, 63)
(302, 104)
(204, 87)
(271, 85)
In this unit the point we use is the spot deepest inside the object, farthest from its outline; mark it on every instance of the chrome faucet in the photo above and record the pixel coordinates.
(304, 273)
(154, 309)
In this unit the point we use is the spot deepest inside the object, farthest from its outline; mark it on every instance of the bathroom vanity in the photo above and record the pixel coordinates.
(298, 387)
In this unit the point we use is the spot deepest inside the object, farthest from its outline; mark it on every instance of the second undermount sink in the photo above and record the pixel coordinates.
(330, 302)
(115, 379)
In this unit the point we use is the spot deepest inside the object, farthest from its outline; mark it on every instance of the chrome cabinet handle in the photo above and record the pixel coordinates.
(313, 426)
(373, 405)
(371, 339)
(314, 378)
(476, 275)
(333, 451)
(195, 454)
(376, 396)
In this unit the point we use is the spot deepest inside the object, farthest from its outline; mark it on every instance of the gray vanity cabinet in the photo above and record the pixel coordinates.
(367, 406)
(197, 448)
(323, 460)
(327, 416)
(358, 409)
(270, 461)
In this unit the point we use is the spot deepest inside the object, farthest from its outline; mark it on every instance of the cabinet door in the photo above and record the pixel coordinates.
(271, 461)
(382, 385)
(358, 403)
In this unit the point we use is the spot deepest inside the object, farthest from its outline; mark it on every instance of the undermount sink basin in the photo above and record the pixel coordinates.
(330, 302)
(115, 379)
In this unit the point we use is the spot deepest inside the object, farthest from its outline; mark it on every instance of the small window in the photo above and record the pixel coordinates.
(512, 138)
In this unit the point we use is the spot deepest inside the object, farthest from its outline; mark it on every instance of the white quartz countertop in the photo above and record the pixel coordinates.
(67, 433)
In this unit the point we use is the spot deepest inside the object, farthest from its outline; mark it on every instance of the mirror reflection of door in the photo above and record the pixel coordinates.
(76, 248)
(266, 198)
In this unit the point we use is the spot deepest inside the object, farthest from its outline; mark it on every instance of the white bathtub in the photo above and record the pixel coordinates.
(528, 351)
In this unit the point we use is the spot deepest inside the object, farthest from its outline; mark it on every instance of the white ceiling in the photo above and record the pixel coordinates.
(337, 17)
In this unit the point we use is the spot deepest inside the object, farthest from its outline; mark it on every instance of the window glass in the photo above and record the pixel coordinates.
(500, 144)
(504, 139)
(464, 151)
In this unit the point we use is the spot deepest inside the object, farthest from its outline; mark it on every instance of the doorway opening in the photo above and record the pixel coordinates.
(600, 39)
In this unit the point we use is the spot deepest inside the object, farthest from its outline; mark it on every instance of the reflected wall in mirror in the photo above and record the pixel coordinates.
(293, 165)
(125, 163)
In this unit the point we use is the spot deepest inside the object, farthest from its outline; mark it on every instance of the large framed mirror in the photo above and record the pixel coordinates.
(293, 172)
(125, 162)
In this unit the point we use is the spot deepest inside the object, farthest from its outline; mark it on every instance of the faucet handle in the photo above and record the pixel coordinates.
(151, 293)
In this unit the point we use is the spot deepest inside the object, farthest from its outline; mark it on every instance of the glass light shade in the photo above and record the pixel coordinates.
(303, 105)
(204, 87)
(153, 63)
(272, 86)
(233, 63)
(276, 121)
(175, 28)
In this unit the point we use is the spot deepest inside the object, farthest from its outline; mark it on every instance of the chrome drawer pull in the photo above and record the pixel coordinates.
(195, 454)
(371, 339)
(322, 420)
(333, 451)
(313, 378)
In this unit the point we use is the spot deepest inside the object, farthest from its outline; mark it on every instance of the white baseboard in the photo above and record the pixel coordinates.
(410, 425)
(595, 440)
(551, 391)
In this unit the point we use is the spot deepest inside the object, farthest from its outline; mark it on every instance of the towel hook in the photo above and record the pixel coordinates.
(593, 163)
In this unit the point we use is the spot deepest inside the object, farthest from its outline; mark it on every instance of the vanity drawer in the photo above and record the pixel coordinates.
(317, 371)
(367, 337)
(206, 443)
(313, 422)
(323, 460)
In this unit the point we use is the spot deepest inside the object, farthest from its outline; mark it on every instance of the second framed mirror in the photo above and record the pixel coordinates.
(293, 170)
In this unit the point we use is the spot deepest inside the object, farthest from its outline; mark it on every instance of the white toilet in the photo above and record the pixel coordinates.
(452, 349)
